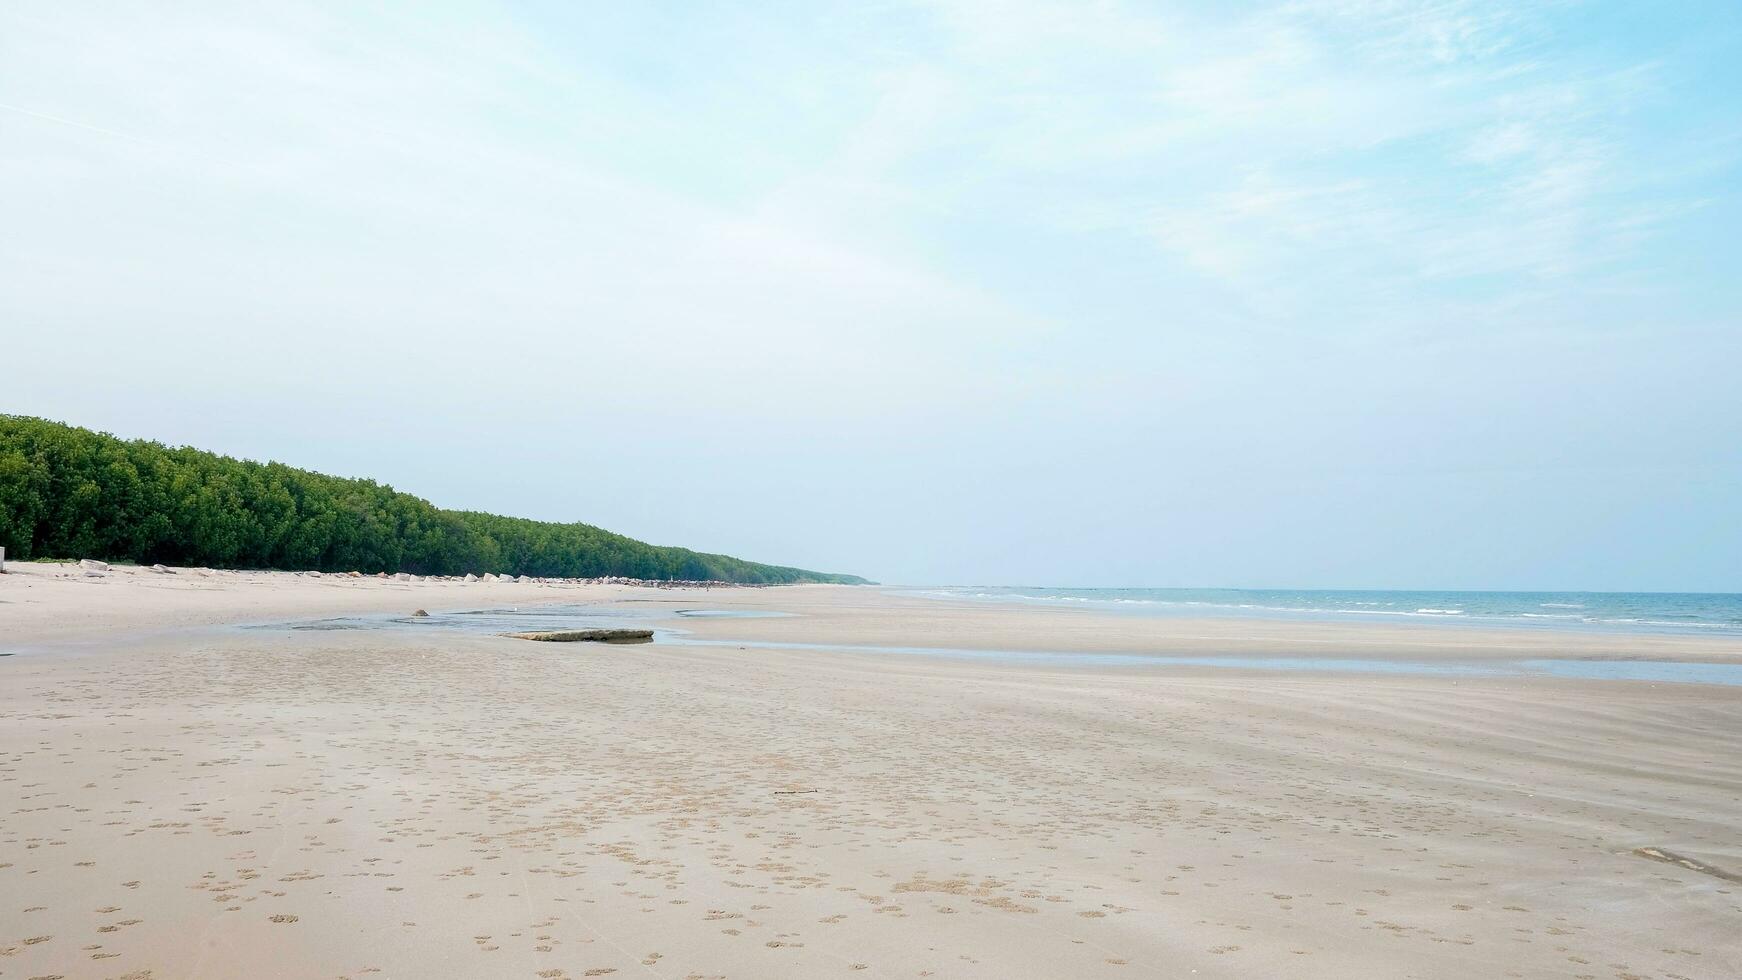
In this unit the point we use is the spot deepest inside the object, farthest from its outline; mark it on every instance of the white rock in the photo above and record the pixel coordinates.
(93, 573)
(312, 574)
(470, 578)
(524, 579)
(94, 564)
(161, 570)
(402, 576)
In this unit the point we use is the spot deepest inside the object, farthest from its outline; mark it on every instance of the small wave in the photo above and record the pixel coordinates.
(1667, 622)
(1643, 612)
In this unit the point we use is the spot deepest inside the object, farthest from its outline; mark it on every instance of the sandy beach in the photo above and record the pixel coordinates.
(184, 798)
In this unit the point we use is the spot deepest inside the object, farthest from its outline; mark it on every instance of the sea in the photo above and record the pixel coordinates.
(1699, 613)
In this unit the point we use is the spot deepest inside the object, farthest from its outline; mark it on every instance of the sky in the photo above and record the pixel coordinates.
(1317, 293)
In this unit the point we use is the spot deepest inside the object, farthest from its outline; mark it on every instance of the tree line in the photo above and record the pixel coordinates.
(68, 492)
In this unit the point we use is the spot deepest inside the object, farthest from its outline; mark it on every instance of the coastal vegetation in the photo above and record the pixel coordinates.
(68, 492)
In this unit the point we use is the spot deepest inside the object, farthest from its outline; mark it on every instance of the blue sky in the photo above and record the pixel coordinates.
(1332, 293)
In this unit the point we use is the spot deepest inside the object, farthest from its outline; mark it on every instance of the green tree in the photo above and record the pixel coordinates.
(67, 492)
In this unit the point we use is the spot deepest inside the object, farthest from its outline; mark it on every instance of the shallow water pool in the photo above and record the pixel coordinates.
(1666, 671)
(621, 616)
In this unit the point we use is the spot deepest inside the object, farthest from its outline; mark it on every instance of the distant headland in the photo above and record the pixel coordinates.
(70, 492)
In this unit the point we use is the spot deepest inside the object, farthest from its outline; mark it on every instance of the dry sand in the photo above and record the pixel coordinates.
(181, 799)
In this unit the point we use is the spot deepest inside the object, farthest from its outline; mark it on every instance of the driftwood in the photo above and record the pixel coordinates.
(1671, 857)
(587, 636)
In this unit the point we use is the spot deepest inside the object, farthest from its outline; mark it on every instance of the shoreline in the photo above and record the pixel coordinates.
(37, 602)
(1431, 618)
(890, 619)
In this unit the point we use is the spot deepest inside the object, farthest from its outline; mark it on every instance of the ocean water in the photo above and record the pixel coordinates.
(1703, 613)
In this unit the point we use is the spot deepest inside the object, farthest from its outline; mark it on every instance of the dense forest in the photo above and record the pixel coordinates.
(67, 492)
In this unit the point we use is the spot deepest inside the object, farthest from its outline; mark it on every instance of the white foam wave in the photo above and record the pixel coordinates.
(1570, 614)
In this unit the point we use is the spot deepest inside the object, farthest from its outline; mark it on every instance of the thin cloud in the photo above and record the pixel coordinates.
(73, 122)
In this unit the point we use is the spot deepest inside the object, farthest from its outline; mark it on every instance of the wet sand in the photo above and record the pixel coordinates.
(186, 800)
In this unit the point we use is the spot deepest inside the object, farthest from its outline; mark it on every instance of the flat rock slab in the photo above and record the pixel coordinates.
(587, 636)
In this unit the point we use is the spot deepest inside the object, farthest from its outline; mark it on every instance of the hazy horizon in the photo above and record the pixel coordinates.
(1302, 295)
